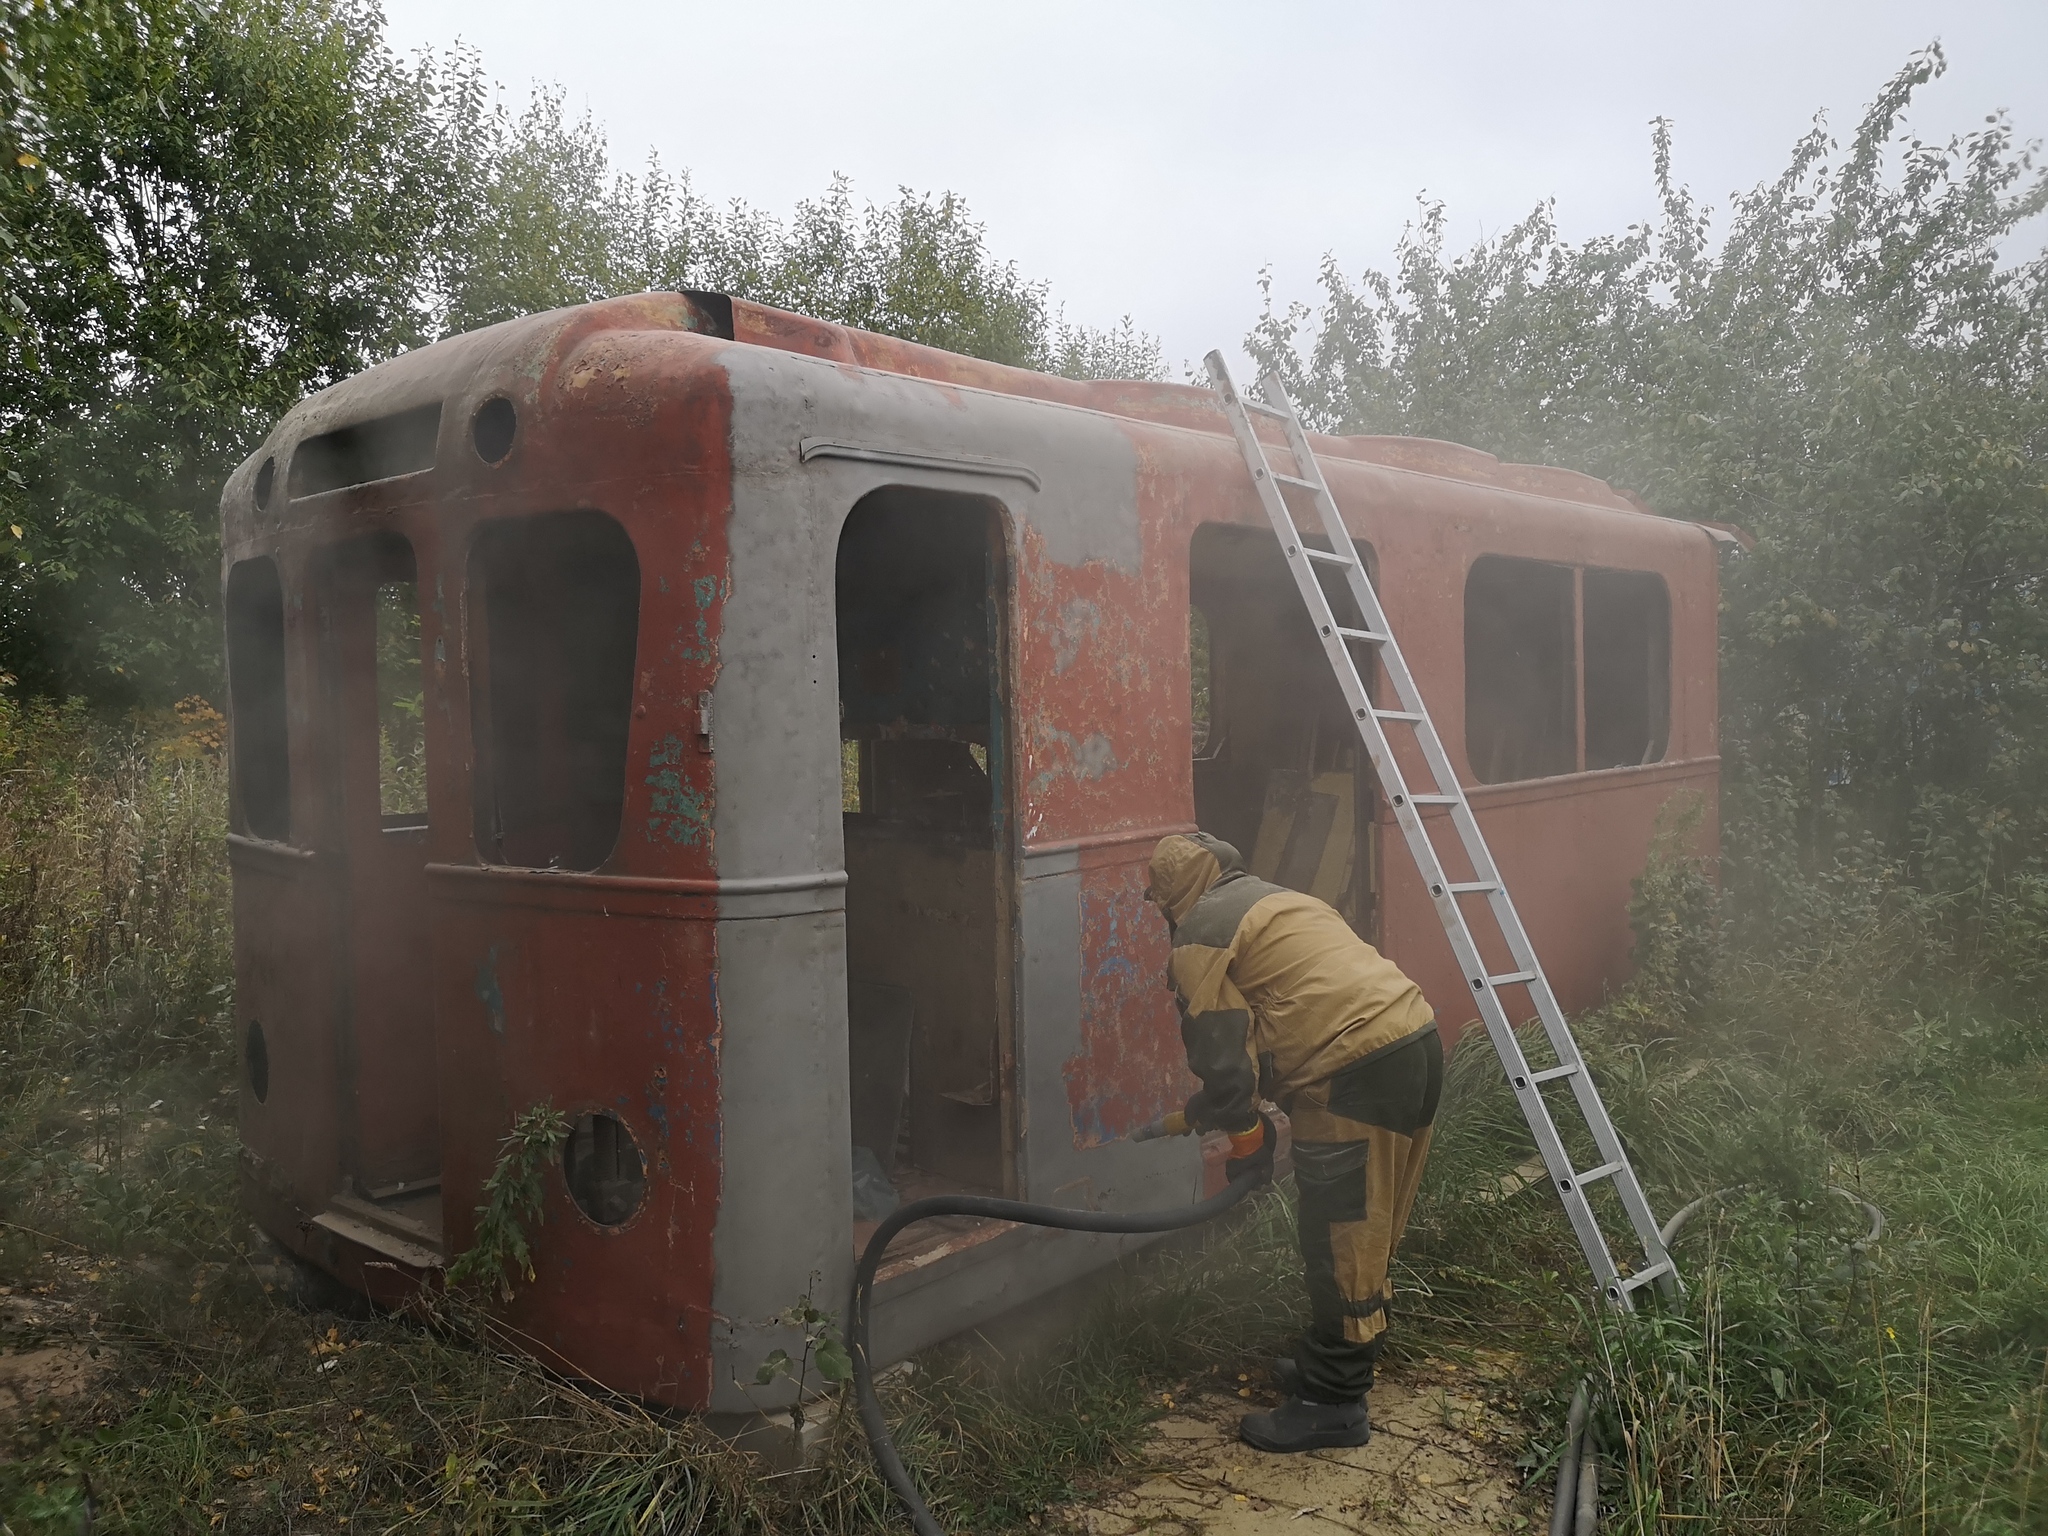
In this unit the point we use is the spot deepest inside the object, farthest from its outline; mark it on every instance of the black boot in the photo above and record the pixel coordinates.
(1299, 1425)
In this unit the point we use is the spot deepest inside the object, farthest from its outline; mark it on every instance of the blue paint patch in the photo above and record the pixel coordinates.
(678, 810)
(489, 993)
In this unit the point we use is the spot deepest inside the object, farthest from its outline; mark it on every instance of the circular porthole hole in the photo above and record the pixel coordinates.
(492, 428)
(256, 1056)
(602, 1166)
(266, 477)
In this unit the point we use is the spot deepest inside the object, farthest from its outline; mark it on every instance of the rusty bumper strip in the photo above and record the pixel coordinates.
(643, 895)
(1065, 855)
(960, 463)
(756, 885)
(259, 850)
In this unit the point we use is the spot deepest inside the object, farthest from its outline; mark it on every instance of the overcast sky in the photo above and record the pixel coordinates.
(1150, 158)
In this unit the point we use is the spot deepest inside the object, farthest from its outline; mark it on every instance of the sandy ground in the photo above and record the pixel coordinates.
(39, 1362)
(1441, 1458)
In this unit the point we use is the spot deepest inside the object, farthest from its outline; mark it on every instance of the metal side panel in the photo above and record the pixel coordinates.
(1085, 977)
(784, 1219)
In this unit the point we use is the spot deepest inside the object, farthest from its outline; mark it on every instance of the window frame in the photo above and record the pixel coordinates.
(1660, 731)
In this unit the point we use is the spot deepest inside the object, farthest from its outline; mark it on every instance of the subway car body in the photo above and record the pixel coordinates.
(747, 736)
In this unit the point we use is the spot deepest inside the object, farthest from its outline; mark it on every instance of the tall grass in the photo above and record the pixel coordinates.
(115, 927)
(1882, 1037)
(1890, 1041)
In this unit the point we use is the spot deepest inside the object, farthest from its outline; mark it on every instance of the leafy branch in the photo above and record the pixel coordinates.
(512, 1196)
(822, 1348)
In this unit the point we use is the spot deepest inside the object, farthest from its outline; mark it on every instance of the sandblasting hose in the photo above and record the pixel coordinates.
(893, 1471)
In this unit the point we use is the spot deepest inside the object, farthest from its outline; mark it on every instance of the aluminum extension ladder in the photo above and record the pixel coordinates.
(1524, 969)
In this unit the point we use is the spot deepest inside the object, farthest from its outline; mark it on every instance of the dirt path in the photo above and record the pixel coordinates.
(1441, 1458)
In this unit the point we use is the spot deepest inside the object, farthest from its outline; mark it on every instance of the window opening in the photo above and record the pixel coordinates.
(255, 633)
(556, 599)
(492, 429)
(849, 775)
(256, 1054)
(368, 451)
(1521, 699)
(1278, 768)
(401, 704)
(1628, 668)
(602, 1167)
(919, 601)
(1198, 677)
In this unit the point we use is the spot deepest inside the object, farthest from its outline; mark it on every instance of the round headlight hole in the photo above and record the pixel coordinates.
(492, 429)
(602, 1166)
(266, 477)
(256, 1056)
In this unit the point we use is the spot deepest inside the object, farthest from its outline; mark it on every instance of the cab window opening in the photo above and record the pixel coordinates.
(256, 693)
(554, 609)
(401, 700)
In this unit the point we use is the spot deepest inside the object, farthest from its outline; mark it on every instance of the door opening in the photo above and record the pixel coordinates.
(920, 587)
(390, 1120)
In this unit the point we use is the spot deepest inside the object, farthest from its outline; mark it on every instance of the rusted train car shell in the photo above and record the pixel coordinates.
(747, 735)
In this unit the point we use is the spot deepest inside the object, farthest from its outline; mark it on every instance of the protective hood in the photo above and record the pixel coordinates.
(1184, 868)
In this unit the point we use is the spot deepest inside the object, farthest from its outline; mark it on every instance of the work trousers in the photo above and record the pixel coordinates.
(1360, 1139)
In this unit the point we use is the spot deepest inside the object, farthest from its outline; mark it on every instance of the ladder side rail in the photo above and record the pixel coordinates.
(1522, 952)
(1565, 1045)
(1507, 1045)
(1551, 1148)
(1549, 1141)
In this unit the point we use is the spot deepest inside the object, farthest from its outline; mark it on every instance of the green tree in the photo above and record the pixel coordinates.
(1854, 375)
(209, 208)
(549, 222)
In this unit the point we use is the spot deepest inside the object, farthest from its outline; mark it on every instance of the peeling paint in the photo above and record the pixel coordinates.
(1079, 620)
(489, 993)
(1131, 1067)
(678, 810)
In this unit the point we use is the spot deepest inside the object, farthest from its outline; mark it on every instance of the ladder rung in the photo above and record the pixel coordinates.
(1323, 555)
(1604, 1171)
(1643, 1277)
(1512, 978)
(1472, 887)
(1266, 410)
(1362, 634)
(1435, 799)
(1552, 1074)
(1399, 714)
(1296, 481)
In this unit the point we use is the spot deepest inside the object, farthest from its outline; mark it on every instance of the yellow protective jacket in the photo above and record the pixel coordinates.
(1275, 990)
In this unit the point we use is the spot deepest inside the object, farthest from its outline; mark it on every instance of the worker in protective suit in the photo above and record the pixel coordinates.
(1280, 1000)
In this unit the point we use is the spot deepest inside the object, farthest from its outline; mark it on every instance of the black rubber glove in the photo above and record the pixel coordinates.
(1257, 1163)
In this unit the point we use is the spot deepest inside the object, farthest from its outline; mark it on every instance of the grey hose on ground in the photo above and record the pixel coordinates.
(1568, 1461)
(1588, 1520)
(1685, 1213)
